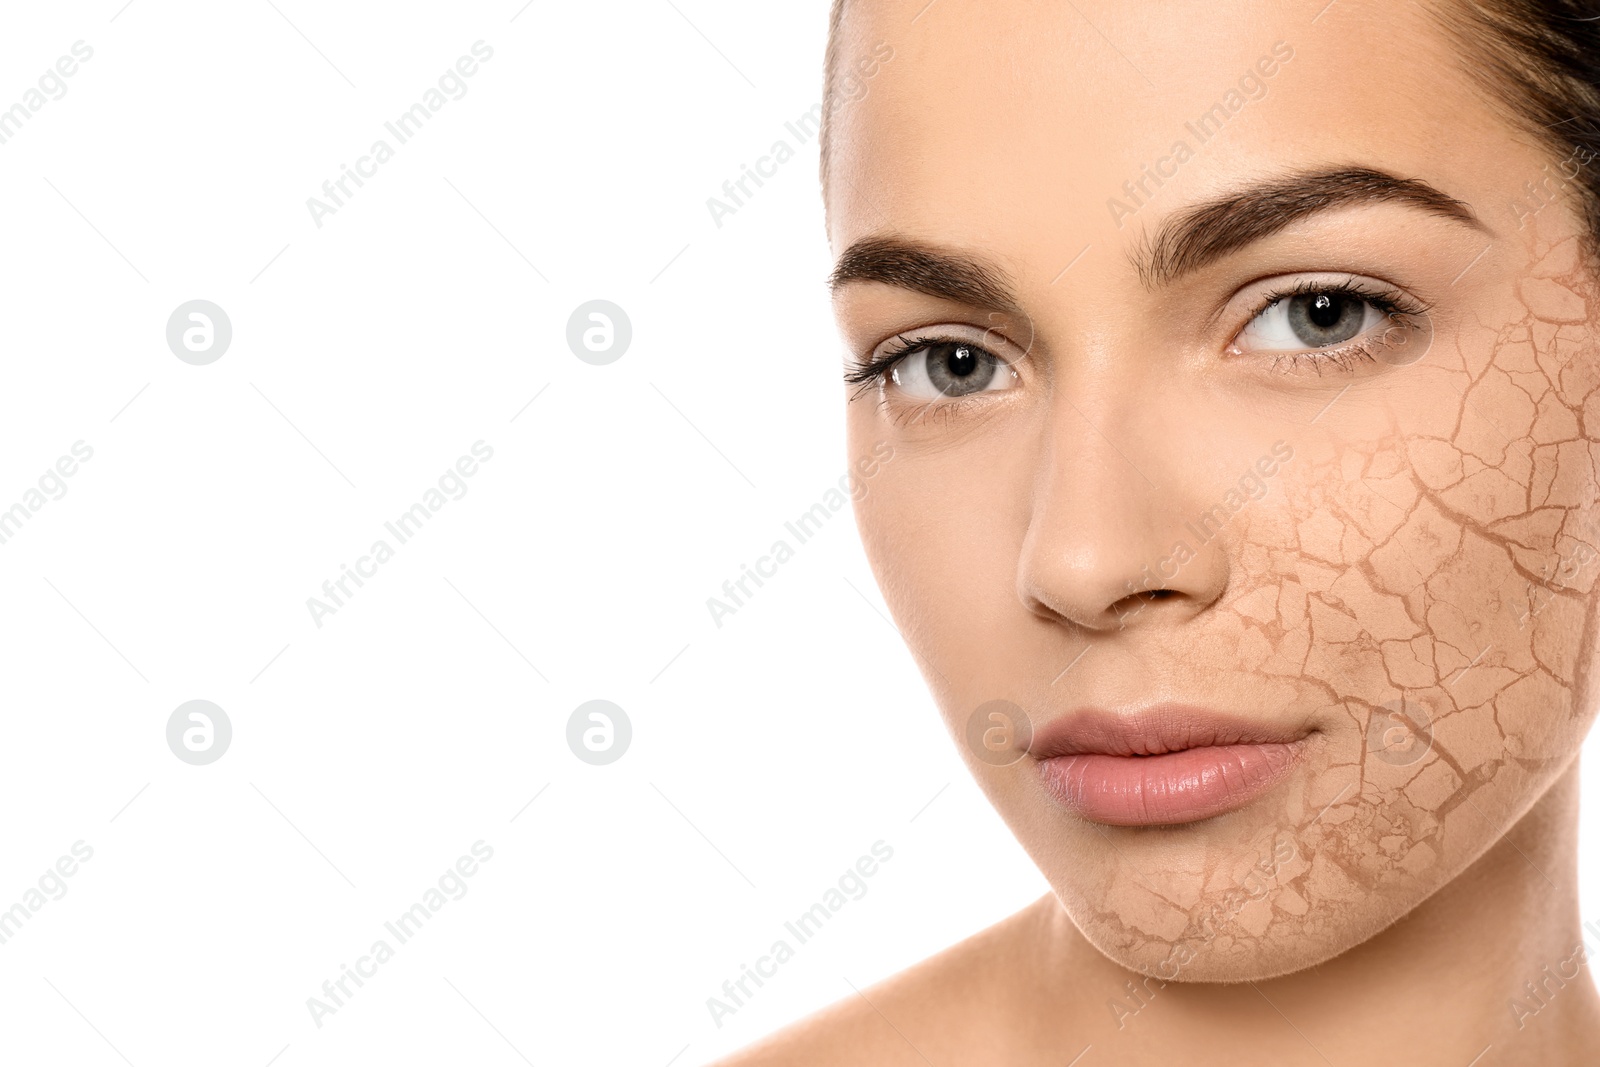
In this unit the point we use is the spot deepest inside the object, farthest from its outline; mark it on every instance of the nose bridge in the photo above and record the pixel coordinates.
(1111, 492)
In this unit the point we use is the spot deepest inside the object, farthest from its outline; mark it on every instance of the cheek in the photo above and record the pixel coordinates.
(943, 524)
(1497, 547)
(1441, 578)
(943, 527)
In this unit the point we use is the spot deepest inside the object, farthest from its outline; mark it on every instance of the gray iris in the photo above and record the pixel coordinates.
(957, 369)
(1322, 319)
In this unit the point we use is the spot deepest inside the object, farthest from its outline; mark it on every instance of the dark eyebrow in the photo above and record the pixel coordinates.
(937, 272)
(1202, 234)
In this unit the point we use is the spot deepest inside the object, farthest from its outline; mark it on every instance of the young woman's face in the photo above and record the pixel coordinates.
(1246, 404)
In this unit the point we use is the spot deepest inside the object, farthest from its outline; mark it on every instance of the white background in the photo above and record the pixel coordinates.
(367, 355)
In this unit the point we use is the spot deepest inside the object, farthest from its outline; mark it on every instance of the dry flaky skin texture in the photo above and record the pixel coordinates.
(1443, 554)
(1454, 561)
(1414, 590)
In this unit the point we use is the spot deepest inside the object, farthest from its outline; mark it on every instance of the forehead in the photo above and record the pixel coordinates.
(1017, 125)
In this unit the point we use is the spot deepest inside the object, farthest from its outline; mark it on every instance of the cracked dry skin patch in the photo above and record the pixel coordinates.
(1411, 589)
(1451, 564)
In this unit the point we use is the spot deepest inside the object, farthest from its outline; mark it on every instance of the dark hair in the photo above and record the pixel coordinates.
(1539, 61)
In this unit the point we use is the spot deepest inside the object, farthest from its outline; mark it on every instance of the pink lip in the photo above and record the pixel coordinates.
(1161, 766)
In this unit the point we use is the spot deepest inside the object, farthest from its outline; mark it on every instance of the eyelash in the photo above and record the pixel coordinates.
(865, 374)
(1399, 308)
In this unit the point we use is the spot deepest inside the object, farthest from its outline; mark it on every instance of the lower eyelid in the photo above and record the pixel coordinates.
(1344, 357)
(1319, 361)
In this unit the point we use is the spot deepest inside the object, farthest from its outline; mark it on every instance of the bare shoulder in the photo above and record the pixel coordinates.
(950, 1007)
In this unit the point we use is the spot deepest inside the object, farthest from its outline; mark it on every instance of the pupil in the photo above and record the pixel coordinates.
(961, 362)
(1325, 311)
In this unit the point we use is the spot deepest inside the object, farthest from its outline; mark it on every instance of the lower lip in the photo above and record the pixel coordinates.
(1169, 789)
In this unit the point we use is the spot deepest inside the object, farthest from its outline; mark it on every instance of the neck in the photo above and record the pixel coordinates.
(1459, 969)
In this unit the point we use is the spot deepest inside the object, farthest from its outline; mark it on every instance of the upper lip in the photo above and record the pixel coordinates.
(1153, 731)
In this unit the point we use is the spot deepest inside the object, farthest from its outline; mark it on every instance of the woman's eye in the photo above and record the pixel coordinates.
(950, 369)
(1319, 319)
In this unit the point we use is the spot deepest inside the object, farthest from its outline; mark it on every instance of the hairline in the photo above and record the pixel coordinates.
(1522, 88)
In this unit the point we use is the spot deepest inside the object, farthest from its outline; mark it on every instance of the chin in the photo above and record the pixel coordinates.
(1273, 887)
(1235, 956)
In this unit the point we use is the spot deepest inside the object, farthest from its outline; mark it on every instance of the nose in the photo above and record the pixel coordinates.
(1111, 541)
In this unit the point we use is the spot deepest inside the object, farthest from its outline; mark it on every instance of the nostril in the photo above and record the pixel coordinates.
(1131, 605)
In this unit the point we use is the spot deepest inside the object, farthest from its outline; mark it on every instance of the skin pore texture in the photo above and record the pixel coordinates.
(1389, 549)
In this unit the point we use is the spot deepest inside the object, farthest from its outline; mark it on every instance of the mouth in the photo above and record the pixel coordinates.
(1162, 766)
